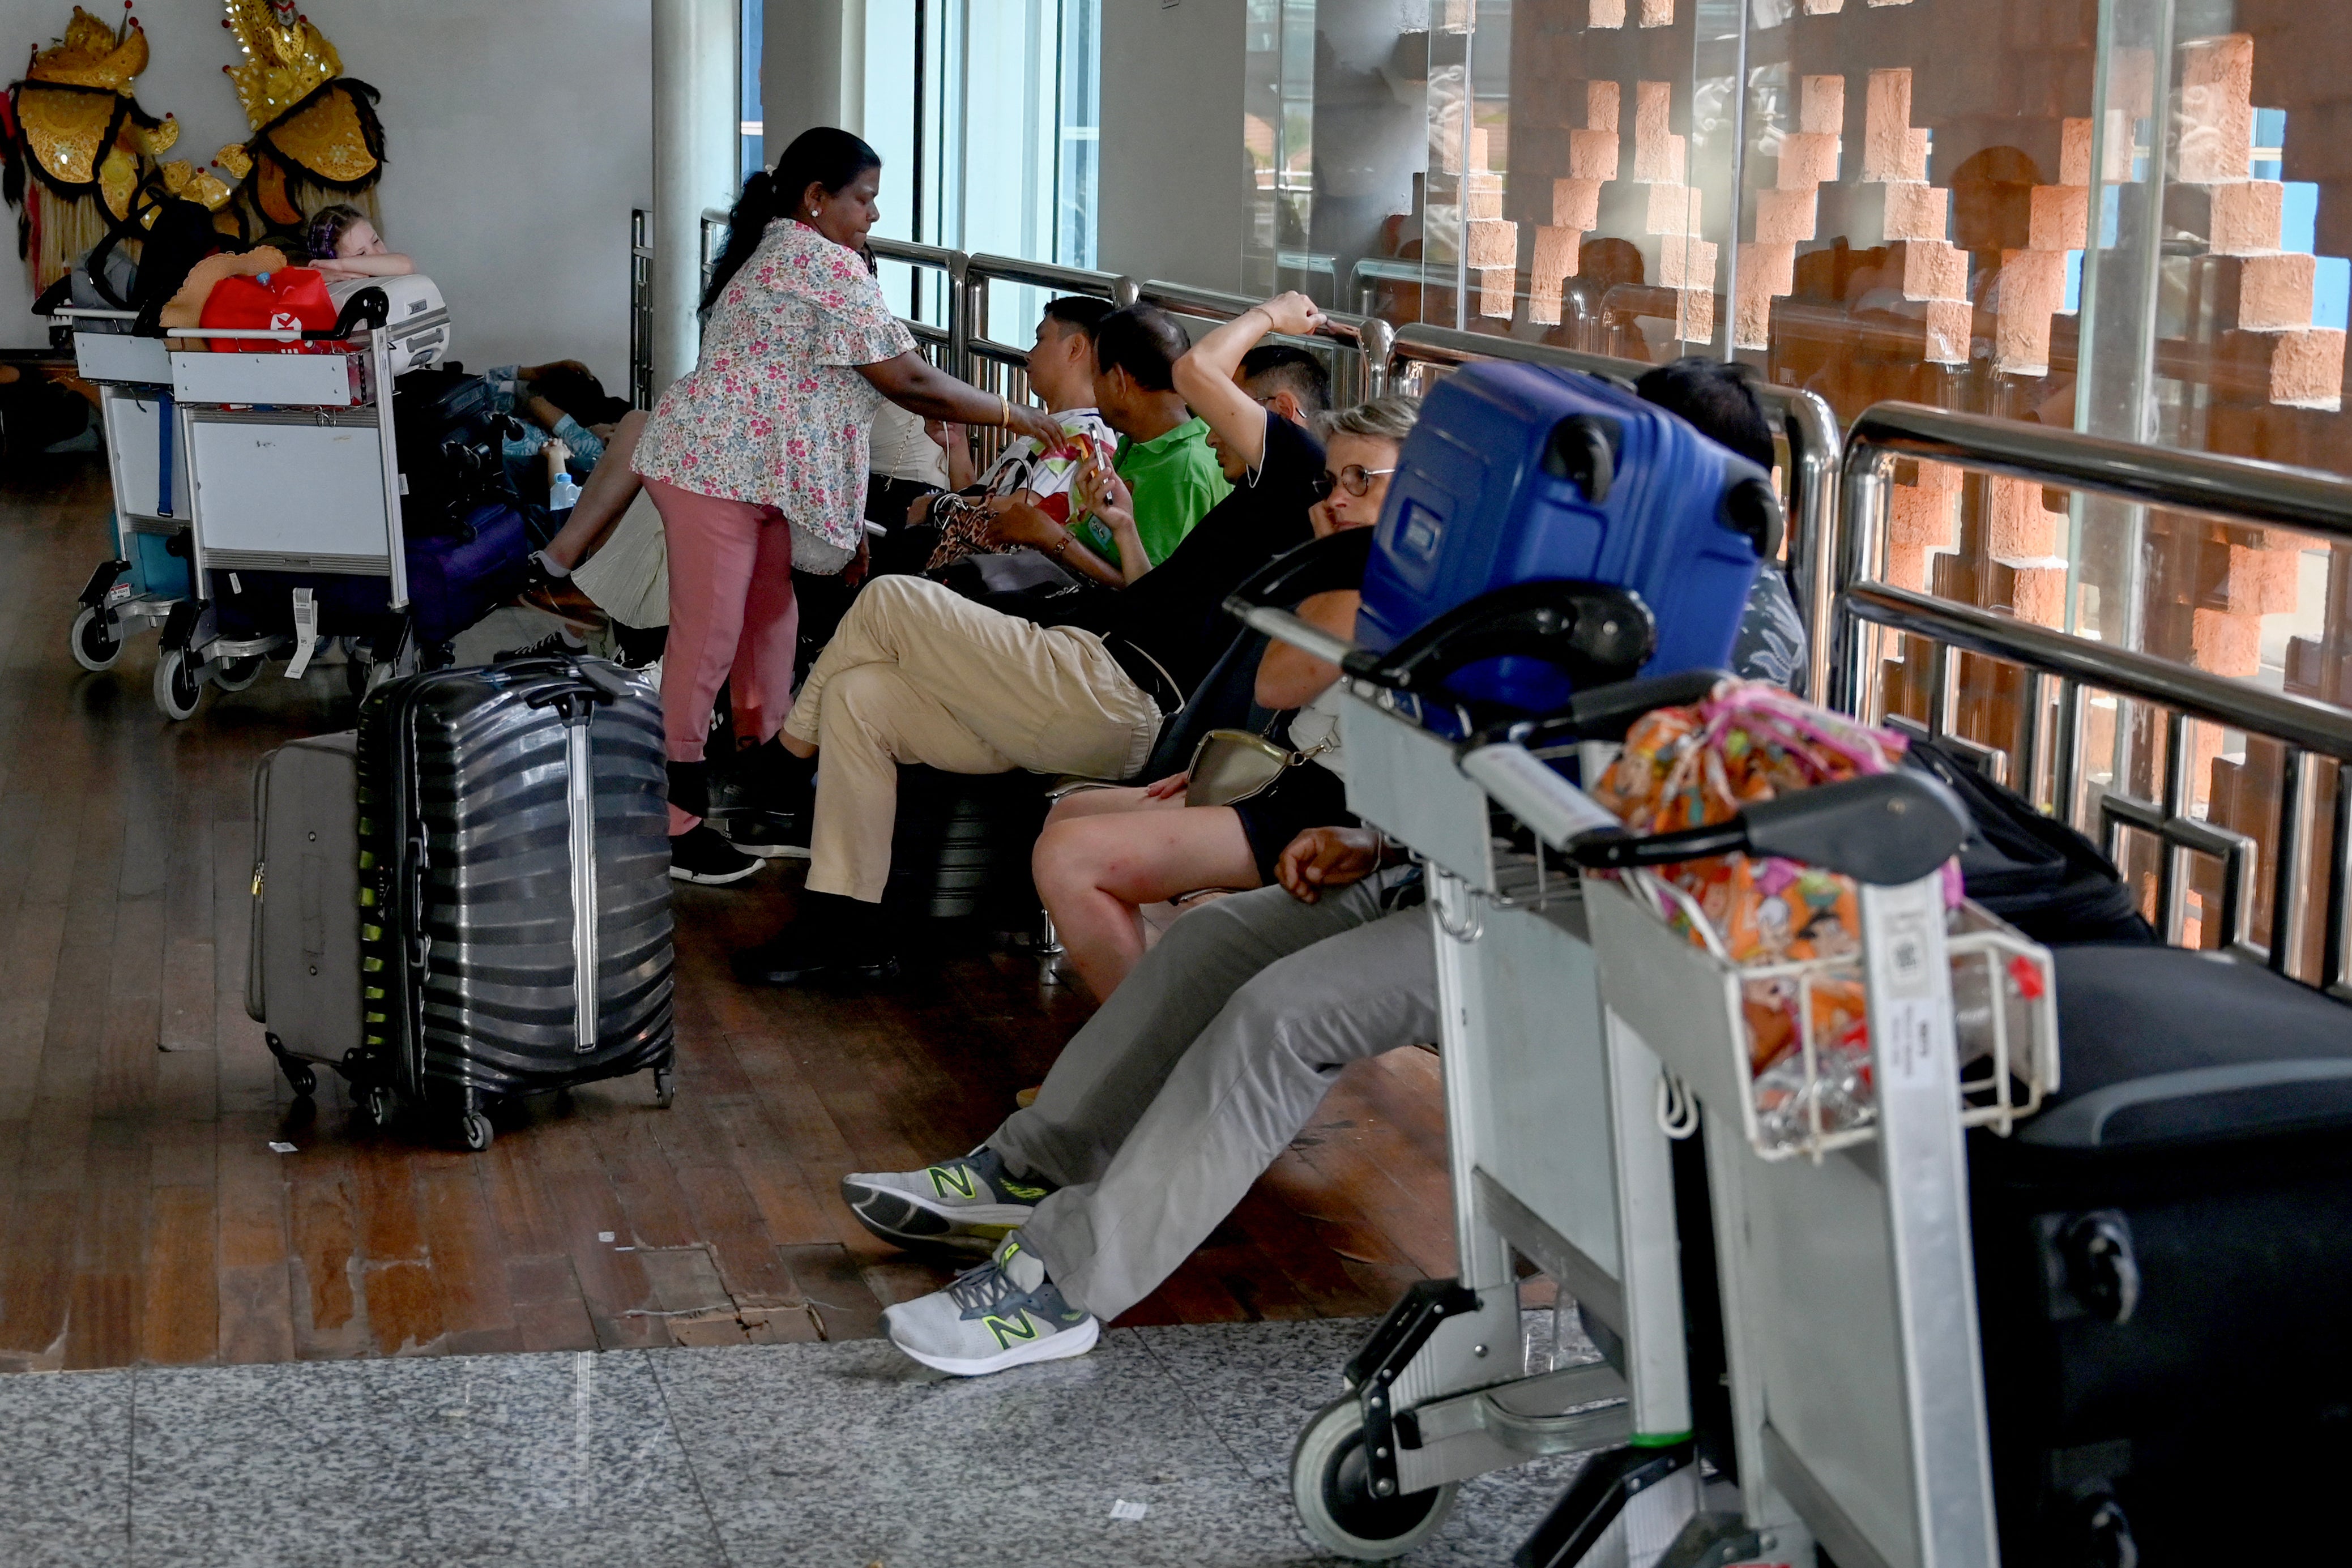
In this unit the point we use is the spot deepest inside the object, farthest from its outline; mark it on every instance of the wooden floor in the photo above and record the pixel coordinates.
(144, 1218)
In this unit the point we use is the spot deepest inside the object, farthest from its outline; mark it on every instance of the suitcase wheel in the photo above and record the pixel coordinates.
(664, 1087)
(299, 1076)
(379, 1104)
(475, 1129)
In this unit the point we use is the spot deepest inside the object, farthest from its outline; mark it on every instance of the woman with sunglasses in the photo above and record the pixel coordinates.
(1106, 854)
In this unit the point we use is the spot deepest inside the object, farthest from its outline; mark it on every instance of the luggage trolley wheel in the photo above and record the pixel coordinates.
(664, 1087)
(236, 674)
(178, 687)
(1331, 1485)
(475, 1131)
(379, 1104)
(97, 641)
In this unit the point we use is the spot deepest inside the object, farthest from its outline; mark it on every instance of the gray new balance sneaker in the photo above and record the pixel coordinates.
(1003, 1313)
(966, 1205)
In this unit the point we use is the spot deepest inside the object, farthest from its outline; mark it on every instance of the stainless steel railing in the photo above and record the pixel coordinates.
(2052, 731)
(1368, 356)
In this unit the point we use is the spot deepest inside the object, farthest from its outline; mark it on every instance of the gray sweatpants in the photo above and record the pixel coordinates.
(1201, 1068)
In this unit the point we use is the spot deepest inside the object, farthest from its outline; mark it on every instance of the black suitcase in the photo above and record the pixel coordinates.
(513, 838)
(2164, 1260)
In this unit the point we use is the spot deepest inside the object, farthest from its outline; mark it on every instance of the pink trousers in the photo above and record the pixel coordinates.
(731, 618)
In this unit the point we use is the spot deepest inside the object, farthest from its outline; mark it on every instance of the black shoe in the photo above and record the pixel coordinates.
(764, 780)
(834, 938)
(770, 835)
(553, 645)
(639, 645)
(700, 855)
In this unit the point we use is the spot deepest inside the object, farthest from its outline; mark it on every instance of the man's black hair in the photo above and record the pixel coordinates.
(1143, 341)
(1282, 366)
(1083, 311)
(1715, 399)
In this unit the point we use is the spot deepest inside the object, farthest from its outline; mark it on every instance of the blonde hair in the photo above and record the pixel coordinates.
(1390, 418)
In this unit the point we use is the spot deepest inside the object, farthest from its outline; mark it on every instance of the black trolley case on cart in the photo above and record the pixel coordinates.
(510, 837)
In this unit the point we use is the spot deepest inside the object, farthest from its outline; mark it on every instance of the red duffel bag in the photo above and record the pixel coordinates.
(292, 297)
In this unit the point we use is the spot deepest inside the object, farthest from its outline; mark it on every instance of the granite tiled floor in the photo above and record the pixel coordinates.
(804, 1455)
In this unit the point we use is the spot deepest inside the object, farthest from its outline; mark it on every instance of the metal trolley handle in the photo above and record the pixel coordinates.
(1886, 830)
(1595, 633)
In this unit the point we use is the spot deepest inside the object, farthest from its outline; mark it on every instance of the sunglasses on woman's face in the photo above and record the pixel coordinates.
(1355, 478)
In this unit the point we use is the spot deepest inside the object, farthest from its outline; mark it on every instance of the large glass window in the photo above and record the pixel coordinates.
(991, 138)
(752, 131)
(2127, 217)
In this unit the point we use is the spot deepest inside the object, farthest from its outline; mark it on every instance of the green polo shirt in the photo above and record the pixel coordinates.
(1175, 480)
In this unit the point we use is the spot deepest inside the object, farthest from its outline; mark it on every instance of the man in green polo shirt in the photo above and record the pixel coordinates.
(1163, 452)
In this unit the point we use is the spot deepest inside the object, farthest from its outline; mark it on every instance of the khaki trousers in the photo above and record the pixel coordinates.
(918, 673)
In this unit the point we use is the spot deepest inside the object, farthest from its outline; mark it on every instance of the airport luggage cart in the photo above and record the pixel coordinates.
(1556, 1156)
(292, 468)
(1843, 1251)
(147, 573)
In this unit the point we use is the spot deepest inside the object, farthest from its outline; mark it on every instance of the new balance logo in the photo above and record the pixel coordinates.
(1024, 1328)
(954, 1180)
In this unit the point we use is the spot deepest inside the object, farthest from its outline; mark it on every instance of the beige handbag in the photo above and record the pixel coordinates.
(1231, 766)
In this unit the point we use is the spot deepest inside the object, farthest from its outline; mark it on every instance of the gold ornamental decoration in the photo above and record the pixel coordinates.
(78, 157)
(316, 135)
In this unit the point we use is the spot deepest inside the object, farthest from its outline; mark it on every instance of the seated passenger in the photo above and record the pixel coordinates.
(1198, 1070)
(1163, 454)
(918, 674)
(1029, 497)
(344, 245)
(1106, 853)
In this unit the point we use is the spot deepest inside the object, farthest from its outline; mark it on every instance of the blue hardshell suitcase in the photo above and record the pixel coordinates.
(1521, 472)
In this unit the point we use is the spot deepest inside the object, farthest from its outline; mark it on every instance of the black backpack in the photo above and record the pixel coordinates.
(2033, 871)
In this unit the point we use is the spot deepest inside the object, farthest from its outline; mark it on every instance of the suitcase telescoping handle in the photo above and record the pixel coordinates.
(1886, 829)
(589, 683)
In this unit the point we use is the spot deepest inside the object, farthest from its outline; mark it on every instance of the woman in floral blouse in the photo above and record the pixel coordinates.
(756, 459)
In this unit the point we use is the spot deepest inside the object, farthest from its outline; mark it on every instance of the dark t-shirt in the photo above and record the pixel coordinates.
(1174, 613)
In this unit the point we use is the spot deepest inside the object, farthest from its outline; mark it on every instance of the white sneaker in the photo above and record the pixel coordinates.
(967, 1205)
(1002, 1314)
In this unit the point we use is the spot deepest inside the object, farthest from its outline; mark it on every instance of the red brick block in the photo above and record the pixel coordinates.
(1593, 155)
(1932, 270)
(1493, 242)
(2017, 525)
(1951, 325)
(2274, 292)
(1916, 211)
(2247, 217)
(2074, 152)
(1576, 205)
(1923, 519)
(2060, 217)
(1820, 106)
(1807, 161)
(1602, 105)
(2216, 111)
(2226, 643)
(1785, 217)
(2034, 589)
(1608, 13)
(1886, 127)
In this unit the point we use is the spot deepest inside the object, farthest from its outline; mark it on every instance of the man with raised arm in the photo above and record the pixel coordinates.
(918, 674)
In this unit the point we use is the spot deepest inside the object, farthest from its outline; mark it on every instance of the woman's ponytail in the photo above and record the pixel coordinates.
(820, 156)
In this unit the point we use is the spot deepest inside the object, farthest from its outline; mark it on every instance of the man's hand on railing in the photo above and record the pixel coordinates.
(1292, 315)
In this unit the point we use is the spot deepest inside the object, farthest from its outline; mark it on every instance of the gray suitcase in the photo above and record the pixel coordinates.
(302, 970)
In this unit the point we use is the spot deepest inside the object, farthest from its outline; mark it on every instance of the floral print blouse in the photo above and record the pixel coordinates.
(775, 413)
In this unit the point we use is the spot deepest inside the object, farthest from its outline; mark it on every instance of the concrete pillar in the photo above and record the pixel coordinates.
(694, 140)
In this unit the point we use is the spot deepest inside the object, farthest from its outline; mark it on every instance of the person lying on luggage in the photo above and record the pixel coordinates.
(1106, 853)
(1198, 1070)
(918, 674)
(343, 244)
